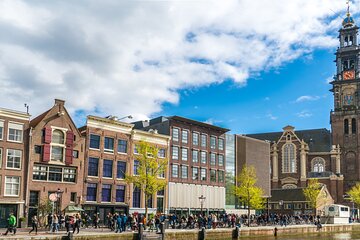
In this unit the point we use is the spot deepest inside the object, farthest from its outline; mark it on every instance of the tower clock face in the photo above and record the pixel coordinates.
(347, 75)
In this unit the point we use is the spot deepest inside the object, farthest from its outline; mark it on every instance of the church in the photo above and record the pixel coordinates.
(331, 157)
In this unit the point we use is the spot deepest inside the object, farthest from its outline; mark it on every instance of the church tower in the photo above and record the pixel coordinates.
(345, 117)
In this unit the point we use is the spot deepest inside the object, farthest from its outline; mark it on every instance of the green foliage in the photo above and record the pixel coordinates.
(150, 167)
(44, 209)
(22, 219)
(246, 190)
(311, 192)
(354, 194)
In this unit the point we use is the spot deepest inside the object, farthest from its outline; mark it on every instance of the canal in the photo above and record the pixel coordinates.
(318, 236)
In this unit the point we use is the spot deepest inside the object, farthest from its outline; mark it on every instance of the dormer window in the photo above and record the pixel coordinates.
(57, 145)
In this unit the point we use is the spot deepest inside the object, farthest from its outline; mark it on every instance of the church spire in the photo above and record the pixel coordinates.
(348, 20)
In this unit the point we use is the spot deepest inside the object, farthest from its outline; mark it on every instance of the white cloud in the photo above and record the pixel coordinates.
(271, 117)
(304, 114)
(129, 57)
(306, 98)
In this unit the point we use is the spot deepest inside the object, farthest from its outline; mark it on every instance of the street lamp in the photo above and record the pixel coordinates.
(202, 200)
(281, 203)
(58, 199)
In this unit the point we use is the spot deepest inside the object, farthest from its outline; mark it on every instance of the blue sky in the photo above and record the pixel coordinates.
(247, 65)
(268, 101)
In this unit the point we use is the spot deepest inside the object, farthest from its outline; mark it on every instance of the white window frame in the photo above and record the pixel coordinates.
(172, 152)
(316, 162)
(197, 155)
(201, 174)
(7, 181)
(198, 138)
(172, 170)
(212, 161)
(205, 154)
(7, 158)
(1, 157)
(107, 150)
(187, 136)
(172, 134)
(201, 140)
(183, 155)
(198, 174)
(63, 146)
(1, 129)
(213, 146)
(187, 171)
(223, 143)
(10, 124)
(222, 162)
(289, 168)
(95, 149)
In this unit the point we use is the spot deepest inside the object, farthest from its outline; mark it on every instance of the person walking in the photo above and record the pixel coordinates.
(77, 223)
(11, 225)
(34, 224)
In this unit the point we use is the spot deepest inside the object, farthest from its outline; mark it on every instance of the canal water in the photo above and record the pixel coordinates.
(318, 236)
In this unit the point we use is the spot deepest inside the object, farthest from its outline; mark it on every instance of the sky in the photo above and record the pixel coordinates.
(247, 65)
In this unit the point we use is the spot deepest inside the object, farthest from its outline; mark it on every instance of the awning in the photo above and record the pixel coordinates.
(72, 208)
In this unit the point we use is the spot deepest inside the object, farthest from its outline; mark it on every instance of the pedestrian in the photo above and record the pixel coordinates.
(11, 224)
(34, 224)
(77, 223)
(55, 223)
(118, 223)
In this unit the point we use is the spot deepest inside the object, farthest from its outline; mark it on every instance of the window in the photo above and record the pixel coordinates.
(195, 156)
(221, 176)
(203, 157)
(184, 154)
(94, 141)
(106, 193)
(15, 132)
(1, 157)
(91, 192)
(175, 134)
(13, 159)
(346, 126)
(353, 126)
(318, 164)
(136, 149)
(121, 170)
(212, 142)
(195, 139)
(122, 146)
(75, 154)
(175, 153)
(212, 159)
(57, 153)
(162, 153)
(213, 175)
(195, 173)
(55, 174)
(37, 149)
(120, 193)
(69, 175)
(221, 144)
(136, 197)
(40, 172)
(221, 160)
(184, 172)
(289, 158)
(12, 186)
(107, 168)
(175, 171)
(73, 197)
(1, 129)
(203, 140)
(184, 136)
(160, 201)
(93, 167)
(34, 199)
(136, 167)
(203, 174)
(108, 144)
(57, 137)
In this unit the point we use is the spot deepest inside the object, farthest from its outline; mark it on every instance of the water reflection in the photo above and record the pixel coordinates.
(318, 236)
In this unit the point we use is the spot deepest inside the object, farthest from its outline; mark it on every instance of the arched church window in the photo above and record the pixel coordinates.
(350, 40)
(289, 158)
(318, 164)
(346, 126)
(353, 125)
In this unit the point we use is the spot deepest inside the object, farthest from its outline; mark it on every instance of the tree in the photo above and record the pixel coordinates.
(311, 193)
(148, 171)
(354, 194)
(45, 207)
(246, 190)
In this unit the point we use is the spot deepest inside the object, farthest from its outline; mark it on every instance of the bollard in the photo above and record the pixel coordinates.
(162, 230)
(70, 236)
(275, 232)
(202, 234)
(236, 233)
(141, 231)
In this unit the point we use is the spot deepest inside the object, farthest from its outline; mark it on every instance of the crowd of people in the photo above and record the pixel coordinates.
(120, 222)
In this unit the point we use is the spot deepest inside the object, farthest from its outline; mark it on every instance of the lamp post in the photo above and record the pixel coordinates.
(281, 203)
(202, 200)
(58, 199)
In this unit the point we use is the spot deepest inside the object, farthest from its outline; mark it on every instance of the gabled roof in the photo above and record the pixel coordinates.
(38, 119)
(319, 140)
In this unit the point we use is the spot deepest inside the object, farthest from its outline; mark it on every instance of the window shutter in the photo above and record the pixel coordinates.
(69, 156)
(69, 138)
(47, 135)
(46, 152)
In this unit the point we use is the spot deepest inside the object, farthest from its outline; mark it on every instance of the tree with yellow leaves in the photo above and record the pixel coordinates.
(311, 193)
(354, 194)
(246, 190)
(150, 177)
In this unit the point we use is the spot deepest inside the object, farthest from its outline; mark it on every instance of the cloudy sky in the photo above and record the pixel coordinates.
(248, 65)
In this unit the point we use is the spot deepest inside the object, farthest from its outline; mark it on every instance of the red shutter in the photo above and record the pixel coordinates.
(47, 135)
(69, 156)
(46, 153)
(69, 138)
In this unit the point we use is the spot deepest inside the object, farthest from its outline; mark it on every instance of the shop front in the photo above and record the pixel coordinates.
(103, 210)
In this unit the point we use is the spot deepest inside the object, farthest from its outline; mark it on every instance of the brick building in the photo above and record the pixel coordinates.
(110, 155)
(56, 153)
(13, 165)
(197, 163)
